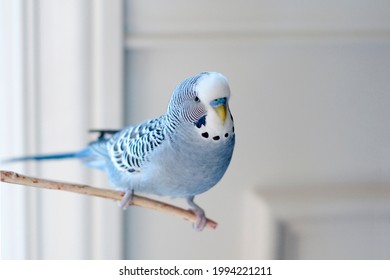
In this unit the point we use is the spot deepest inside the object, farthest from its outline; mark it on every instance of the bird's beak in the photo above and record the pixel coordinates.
(220, 106)
(221, 112)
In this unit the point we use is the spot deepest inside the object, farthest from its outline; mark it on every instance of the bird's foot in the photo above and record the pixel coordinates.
(201, 219)
(126, 199)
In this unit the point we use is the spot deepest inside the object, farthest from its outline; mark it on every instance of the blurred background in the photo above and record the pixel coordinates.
(310, 82)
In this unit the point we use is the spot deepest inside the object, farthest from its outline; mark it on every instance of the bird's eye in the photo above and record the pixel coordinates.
(197, 99)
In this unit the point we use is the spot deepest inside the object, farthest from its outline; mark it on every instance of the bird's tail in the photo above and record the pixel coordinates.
(78, 154)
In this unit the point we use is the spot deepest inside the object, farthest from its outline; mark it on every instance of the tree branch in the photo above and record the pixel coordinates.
(19, 179)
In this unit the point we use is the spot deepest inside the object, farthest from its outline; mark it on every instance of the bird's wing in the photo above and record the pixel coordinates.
(130, 148)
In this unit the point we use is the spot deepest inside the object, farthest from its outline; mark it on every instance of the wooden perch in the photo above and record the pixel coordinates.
(19, 179)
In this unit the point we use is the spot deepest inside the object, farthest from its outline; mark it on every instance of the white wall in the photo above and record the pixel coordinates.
(311, 98)
(11, 72)
(64, 76)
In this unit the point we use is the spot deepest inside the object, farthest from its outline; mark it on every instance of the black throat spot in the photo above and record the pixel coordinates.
(200, 122)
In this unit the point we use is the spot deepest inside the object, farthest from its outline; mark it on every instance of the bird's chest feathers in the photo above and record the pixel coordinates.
(198, 163)
(188, 162)
(207, 143)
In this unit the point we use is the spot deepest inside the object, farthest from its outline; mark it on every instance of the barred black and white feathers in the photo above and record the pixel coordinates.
(129, 149)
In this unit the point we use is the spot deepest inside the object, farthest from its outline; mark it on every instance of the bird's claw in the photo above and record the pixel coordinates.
(200, 222)
(201, 219)
(126, 199)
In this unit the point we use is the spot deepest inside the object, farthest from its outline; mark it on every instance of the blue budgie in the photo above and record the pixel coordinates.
(182, 153)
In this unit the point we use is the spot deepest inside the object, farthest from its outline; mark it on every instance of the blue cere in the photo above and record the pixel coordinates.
(219, 101)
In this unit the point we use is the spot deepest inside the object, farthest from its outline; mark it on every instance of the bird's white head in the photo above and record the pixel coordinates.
(214, 92)
(203, 100)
